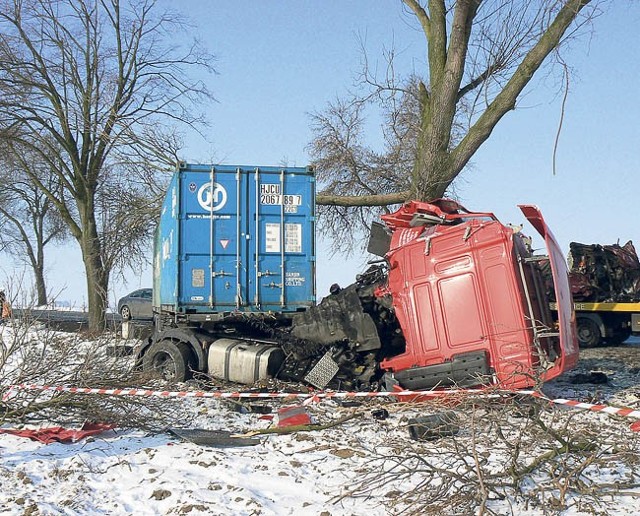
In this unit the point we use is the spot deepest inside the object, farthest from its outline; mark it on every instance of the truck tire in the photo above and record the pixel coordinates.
(169, 359)
(588, 333)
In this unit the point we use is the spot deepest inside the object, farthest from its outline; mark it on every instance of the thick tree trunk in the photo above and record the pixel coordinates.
(97, 275)
(430, 173)
(41, 288)
(432, 156)
(38, 266)
(97, 285)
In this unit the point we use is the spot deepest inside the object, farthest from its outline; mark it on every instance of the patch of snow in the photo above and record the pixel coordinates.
(134, 472)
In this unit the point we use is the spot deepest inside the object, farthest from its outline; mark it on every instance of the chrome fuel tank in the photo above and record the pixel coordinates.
(240, 361)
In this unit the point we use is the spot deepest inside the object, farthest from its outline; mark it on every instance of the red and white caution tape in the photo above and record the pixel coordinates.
(616, 411)
(317, 396)
(236, 394)
(595, 407)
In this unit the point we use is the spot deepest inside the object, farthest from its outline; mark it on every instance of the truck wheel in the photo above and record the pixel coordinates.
(168, 359)
(588, 333)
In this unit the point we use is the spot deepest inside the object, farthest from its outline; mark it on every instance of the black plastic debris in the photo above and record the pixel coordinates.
(349, 403)
(218, 438)
(244, 408)
(380, 414)
(260, 409)
(434, 426)
(595, 377)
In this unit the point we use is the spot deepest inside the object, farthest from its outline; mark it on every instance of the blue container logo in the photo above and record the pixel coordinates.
(212, 199)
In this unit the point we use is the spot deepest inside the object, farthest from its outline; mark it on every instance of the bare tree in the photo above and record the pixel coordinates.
(480, 56)
(91, 77)
(29, 220)
(126, 214)
(32, 353)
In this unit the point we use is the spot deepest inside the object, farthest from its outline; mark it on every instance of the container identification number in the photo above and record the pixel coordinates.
(270, 195)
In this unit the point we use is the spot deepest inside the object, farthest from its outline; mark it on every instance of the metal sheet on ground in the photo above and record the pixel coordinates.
(219, 438)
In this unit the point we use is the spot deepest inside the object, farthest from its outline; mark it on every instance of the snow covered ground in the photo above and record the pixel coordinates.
(365, 465)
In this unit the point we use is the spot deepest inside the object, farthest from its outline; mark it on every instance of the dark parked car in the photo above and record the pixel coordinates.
(136, 305)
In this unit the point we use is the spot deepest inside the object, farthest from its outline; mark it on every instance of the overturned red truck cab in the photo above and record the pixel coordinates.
(467, 292)
(459, 299)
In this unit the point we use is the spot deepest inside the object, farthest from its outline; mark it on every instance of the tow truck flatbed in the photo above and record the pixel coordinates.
(603, 307)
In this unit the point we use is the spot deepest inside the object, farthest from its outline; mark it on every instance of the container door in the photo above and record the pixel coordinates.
(281, 250)
(266, 250)
(212, 272)
(226, 245)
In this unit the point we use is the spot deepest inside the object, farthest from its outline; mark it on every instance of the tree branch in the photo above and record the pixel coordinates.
(422, 16)
(506, 99)
(362, 200)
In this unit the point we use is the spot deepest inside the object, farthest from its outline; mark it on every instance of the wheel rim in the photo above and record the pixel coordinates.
(164, 365)
(588, 333)
(585, 334)
(125, 312)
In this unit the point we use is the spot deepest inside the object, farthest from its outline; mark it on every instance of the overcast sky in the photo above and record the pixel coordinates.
(279, 60)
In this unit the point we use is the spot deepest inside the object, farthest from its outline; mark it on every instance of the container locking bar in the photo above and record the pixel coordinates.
(212, 273)
(282, 238)
(256, 298)
(239, 301)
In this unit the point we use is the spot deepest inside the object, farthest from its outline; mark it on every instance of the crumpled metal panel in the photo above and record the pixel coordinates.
(604, 273)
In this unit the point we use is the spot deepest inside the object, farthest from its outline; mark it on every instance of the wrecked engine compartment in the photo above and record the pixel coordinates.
(338, 343)
(604, 273)
(341, 341)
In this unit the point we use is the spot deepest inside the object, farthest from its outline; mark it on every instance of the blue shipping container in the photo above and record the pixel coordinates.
(236, 238)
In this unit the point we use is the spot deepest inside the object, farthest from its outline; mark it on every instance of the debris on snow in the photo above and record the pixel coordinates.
(58, 433)
(204, 437)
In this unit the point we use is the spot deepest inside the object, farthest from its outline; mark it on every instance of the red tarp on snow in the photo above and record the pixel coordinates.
(293, 416)
(59, 434)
